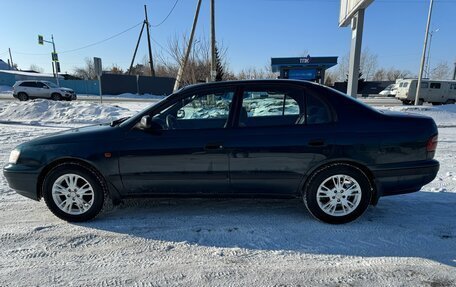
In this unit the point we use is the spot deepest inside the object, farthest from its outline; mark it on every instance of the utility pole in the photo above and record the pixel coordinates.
(454, 73)
(423, 56)
(136, 49)
(11, 59)
(213, 56)
(55, 62)
(55, 58)
(152, 71)
(428, 60)
(187, 52)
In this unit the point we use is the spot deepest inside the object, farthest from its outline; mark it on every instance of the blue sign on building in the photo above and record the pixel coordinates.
(303, 68)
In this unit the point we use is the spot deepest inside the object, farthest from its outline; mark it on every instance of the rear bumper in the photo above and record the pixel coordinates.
(404, 178)
(23, 182)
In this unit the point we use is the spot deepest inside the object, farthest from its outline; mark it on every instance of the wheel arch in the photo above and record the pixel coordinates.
(363, 168)
(69, 160)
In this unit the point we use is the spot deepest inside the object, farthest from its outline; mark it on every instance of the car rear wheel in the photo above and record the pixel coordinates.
(338, 193)
(73, 193)
(56, 97)
(22, 96)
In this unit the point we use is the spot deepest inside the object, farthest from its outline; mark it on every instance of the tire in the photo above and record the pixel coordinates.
(420, 102)
(450, 102)
(22, 96)
(56, 97)
(81, 203)
(330, 204)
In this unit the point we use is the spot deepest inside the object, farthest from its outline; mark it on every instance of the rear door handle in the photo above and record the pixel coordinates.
(213, 147)
(316, 142)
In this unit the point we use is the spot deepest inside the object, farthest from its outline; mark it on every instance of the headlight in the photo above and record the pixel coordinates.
(14, 156)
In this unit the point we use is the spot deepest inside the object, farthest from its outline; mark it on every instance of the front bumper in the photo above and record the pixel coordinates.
(70, 97)
(23, 181)
(405, 177)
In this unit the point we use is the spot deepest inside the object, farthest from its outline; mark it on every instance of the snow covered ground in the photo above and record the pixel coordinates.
(407, 240)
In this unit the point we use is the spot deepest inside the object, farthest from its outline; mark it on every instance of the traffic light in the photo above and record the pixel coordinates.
(55, 57)
(40, 40)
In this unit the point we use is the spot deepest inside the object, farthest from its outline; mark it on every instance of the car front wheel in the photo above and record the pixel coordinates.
(22, 97)
(73, 193)
(338, 194)
(56, 97)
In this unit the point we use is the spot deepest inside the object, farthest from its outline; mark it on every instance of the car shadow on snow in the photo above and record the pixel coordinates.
(421, 225)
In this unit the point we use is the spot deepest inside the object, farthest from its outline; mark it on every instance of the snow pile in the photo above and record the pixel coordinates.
(46, 112)
(444, 116)
(125, 96)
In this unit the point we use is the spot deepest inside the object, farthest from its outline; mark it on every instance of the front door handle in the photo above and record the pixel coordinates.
(316, 142)
(213, 147)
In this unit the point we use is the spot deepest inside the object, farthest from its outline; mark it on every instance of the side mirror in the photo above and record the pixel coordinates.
(148, 124)
(46, 87)
(180, 114)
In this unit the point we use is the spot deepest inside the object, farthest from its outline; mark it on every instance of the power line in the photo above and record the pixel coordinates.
(83, 47)
(102, 41)
(167, 16)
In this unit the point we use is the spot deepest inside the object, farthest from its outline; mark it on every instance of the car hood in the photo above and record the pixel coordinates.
(66, 89)
(94, 133)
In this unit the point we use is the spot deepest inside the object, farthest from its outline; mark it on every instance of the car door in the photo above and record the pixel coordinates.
(29, 88)
(281, 134)
(186, 154)
(42, 91)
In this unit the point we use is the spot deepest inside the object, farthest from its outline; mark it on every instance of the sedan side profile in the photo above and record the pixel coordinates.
(269, 138)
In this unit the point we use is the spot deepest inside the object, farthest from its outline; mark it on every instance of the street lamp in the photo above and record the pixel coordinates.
(428, 61)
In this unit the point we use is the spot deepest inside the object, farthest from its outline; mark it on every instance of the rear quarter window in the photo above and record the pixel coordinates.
(317, 111)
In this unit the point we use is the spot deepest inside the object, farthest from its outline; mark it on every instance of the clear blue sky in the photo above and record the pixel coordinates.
(252, 30)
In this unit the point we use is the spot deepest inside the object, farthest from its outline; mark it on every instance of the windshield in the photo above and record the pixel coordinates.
(51, 84)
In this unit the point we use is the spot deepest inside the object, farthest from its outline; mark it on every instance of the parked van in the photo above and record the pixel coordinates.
(432, 91)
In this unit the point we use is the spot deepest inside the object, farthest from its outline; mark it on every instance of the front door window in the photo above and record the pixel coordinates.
(205, 110)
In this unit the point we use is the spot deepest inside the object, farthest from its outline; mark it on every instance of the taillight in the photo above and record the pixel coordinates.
(431, 144)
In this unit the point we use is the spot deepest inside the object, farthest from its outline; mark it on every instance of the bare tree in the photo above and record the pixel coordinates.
(393, 74)
(380, 75)
(330, 77)
(368, 66)
(253, 73)
(36, 68)
(442, 71)
(87, 72)
(115, 69)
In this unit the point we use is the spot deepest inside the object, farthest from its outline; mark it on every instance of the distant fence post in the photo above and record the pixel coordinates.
(137, 85)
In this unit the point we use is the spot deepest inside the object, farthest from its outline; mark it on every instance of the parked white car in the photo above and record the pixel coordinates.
(389, 91)
(25, 90)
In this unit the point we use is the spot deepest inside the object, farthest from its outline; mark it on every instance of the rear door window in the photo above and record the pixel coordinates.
(274, 106)
(28, 84)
